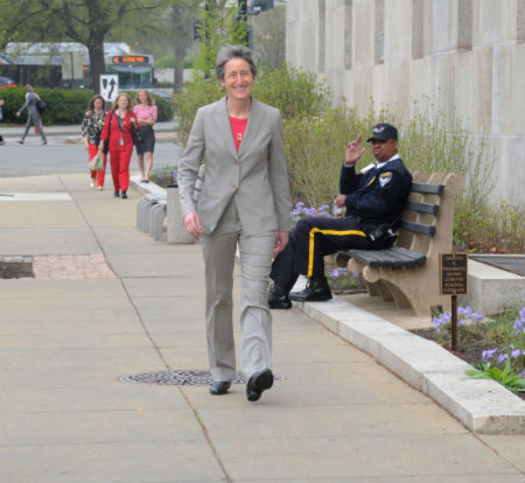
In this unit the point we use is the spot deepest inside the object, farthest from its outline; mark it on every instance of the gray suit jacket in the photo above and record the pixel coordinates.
(256, 177)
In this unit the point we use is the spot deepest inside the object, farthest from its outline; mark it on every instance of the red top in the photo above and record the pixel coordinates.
(116, 133)
(238, 129)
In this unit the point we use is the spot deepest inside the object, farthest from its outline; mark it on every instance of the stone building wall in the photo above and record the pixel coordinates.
(467, 57)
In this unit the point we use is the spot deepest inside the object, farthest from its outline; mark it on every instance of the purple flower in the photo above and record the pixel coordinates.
(519, 326)
(502, 358)
(522, 313)
(515, 353)
(487, 355)
(334, 273)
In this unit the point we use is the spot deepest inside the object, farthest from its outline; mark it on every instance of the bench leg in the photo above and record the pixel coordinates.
(410, 288)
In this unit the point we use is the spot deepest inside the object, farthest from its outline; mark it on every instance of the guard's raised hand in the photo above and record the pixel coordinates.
(354, 151)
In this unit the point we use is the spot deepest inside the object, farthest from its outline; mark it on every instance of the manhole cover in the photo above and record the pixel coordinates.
(16, 267)
(182, 378)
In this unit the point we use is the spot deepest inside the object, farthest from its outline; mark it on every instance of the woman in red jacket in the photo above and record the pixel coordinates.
(117, 130)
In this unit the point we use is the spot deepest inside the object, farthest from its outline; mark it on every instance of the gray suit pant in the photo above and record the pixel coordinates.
(256, 253)
(33, 119)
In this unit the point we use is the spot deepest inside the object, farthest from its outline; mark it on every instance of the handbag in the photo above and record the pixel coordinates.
(40, 105)
(96, 164)
(136, 135)
(105, 149)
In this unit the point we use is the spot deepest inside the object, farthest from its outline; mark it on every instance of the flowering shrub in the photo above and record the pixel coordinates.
(443, 321)
(300, 210)
(506, 377)
(341, 280)
(513, 351)
(164, 176)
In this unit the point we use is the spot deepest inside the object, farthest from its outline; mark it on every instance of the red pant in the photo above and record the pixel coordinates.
(93, 150)
(120, 159)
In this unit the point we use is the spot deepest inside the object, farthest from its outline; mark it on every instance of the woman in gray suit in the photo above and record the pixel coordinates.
(33, 116)
(245, 201)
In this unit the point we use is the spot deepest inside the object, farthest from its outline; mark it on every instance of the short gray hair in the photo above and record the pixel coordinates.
(231, 52)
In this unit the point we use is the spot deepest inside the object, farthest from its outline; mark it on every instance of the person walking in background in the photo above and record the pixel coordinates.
(33, 116)
(145, 112)
(91, 127)
(244, 202)
(2, 141)
(117, 132)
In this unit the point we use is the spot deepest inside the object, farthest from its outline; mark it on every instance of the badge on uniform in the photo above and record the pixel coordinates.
(384, 178)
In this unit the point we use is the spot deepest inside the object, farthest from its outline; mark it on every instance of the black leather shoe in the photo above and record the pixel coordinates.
(259, 382)
(124, 196)
(278, 298)
(116, 194)
(317, 290)
(218, 388)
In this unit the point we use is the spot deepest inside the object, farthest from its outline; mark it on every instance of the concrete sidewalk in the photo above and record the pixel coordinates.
(70, 134)
(67, 337)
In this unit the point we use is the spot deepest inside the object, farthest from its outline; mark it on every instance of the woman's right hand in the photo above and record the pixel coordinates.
(193, 224)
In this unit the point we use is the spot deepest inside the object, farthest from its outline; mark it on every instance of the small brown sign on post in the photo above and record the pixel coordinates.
(453, 276)
(453, 273)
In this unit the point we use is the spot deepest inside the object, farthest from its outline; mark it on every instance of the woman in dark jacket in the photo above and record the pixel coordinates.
(91, 127)
(117, 132)
(33, 116)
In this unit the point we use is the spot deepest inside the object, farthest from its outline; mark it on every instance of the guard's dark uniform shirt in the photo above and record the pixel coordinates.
(379, 195)
(373, 199)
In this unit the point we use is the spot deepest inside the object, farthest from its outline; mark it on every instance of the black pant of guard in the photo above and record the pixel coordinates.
(314, 237)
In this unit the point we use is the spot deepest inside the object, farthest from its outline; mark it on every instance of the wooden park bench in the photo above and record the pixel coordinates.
(408, 272)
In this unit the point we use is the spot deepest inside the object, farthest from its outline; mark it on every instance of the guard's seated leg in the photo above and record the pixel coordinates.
(317, 290)
(278, 298)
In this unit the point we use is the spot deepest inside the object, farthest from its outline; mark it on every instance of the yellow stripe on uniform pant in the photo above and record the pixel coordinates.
(313, 231)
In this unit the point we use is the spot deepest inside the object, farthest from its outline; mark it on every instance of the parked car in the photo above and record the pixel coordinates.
(164, 95)
(7, 82)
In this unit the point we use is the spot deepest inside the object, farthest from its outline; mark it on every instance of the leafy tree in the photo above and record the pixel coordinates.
(182, 14)
(84, 21)
(218, 26)
(269, 37)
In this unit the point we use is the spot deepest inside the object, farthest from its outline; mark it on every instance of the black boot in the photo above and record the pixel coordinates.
(278, 298)
(317, 290)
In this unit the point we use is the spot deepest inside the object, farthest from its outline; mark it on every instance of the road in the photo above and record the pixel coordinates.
(64, 155)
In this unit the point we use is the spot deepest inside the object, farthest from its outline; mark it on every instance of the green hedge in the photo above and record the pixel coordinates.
(64, 106)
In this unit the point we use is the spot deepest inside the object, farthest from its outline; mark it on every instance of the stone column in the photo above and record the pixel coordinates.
(176, 231)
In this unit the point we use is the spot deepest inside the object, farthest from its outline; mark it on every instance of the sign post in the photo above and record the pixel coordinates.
(454, 281)
(109, 87)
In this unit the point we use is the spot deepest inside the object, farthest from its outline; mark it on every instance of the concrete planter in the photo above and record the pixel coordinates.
(176, 231)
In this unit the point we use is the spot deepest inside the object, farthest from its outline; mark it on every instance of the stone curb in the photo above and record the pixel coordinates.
(483, 406)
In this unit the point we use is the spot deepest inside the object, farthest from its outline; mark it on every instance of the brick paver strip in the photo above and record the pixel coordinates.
(71, 267)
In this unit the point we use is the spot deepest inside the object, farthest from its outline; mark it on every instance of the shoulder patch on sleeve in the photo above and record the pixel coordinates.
(384, 178)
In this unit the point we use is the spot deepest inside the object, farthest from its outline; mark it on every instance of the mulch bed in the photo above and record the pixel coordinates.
(470, 346)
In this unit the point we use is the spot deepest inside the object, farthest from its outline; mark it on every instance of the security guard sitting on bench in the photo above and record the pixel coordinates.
(374, 200)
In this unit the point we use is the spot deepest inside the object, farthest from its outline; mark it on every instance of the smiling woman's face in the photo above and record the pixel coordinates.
(238, 79)
(122, 103)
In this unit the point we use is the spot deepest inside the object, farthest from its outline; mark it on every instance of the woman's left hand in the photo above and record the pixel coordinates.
(281, 240)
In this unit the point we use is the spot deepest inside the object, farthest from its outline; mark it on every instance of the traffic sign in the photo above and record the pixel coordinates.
(109, 87)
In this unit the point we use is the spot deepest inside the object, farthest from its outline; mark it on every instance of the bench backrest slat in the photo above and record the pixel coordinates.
(421, 207)
(414, 227)
(428, 189)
